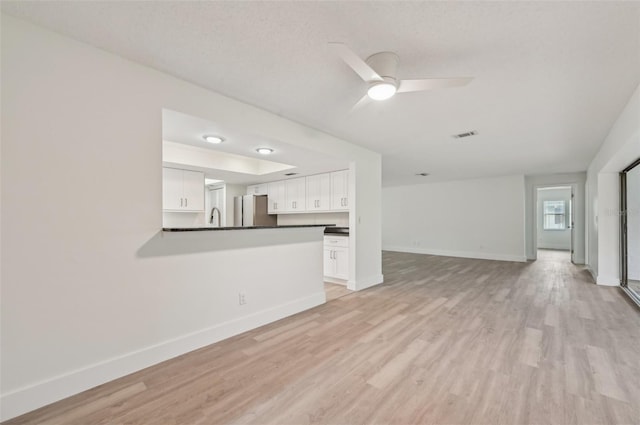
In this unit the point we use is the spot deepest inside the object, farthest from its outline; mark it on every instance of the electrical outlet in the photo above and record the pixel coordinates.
(242, 298)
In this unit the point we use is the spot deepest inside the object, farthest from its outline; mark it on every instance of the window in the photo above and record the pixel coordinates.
(554, 216)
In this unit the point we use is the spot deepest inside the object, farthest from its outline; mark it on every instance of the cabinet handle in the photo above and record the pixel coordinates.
(181, 202)
(186, 202)
(294, 204)
(346, 202)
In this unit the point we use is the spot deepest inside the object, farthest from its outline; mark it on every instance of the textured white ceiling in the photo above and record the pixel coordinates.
(550, 77)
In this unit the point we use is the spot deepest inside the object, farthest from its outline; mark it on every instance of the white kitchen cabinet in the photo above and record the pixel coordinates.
(295, 195)
(276, 197)
(336, 258)
(258, 189)
(319, 192)
(340, 190)
(182, 190)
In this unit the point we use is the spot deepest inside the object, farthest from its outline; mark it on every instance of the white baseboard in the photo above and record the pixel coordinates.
(607, 280)
(34, 396)
(365, 283)
(461, 254)
(593, 274)
(560, 247)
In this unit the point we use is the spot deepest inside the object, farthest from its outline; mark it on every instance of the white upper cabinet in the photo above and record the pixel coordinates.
(182, 190)
(340, 190)
(258, 189)
(319, 192)
(276, 196)
(295, 194)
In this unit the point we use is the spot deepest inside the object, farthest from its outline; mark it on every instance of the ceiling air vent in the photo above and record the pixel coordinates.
(467, 134)
(422, 174)
(291, 174)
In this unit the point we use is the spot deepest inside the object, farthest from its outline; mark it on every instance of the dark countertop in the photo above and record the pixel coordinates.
(336, 231)
(207, 229)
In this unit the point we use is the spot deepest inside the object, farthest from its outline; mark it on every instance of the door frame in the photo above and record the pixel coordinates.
(574, 188)
(624, 267)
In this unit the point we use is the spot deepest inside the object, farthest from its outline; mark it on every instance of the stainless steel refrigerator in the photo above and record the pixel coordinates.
(251, 210)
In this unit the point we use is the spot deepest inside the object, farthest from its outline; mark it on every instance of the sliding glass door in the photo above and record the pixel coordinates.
(630, 229)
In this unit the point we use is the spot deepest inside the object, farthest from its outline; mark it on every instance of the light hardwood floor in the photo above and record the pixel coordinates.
(443, 340)
(334, 290)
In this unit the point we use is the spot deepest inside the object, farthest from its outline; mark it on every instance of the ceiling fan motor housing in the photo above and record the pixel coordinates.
(385, 64)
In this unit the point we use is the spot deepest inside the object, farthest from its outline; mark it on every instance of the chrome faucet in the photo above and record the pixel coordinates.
(213, 210)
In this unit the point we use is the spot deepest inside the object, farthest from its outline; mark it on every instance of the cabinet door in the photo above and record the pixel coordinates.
(329, 263)
(341, 259)
(295, 190)
(172, 198)
(276, 198)
(340, 190)
(318, 192)
(252, 189)
(193, 190)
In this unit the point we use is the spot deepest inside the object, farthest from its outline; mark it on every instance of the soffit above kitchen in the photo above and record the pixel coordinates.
(549, 78)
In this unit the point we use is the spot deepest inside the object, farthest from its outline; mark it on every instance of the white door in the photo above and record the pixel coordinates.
(276, 198)
(340, 190)
(193, 190)
(329, 263)
(172, 198)
(319, 192)
(341, 258)
(295, 194)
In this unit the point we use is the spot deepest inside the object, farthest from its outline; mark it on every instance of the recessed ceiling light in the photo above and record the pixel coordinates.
(213, 139)
(264, 151)
(422, 174)
(381, 91)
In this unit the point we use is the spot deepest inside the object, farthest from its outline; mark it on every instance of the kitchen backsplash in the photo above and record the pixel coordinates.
(182, 219)
(338, 218)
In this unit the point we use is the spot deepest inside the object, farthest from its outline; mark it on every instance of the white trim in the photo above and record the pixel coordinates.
(365, 283)
(608, 281)
(31, 397)
(461, 254)
(334, 280)
(558, 247)
(593, 274)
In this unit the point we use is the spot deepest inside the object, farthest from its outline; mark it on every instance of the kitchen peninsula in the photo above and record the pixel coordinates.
(209, 228)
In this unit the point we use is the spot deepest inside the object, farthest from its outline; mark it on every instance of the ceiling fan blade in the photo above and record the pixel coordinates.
(361, 103)
(431, 84)
(355, 62)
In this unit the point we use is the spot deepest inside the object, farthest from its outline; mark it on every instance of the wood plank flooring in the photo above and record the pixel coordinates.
(443, 340)
(334, 290)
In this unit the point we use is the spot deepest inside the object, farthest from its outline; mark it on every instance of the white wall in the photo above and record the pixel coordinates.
(633, 223)
(553, 239)
(620, 148)
(481, 218)
(575, 180)
(86, 297)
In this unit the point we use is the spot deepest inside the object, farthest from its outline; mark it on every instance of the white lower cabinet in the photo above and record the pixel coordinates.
(336, 257)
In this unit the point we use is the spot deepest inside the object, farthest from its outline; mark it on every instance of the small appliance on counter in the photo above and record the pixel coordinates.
(251, 210)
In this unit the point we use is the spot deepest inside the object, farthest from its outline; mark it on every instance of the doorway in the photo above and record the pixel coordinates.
(630, 230)
(554, 228)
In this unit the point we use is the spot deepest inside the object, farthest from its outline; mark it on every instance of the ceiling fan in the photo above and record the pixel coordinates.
(379, 71)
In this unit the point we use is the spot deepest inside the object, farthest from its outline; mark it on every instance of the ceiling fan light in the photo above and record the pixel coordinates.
(381, 91)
